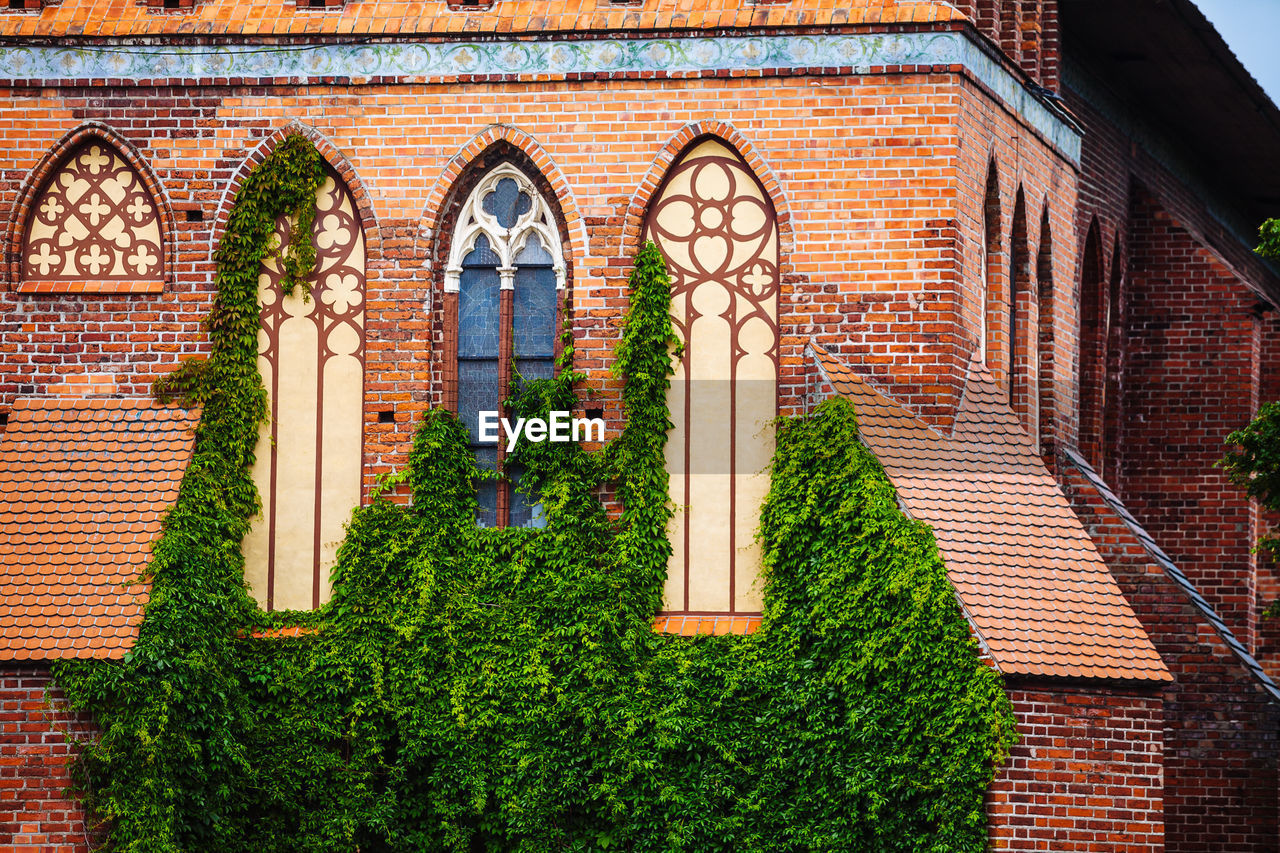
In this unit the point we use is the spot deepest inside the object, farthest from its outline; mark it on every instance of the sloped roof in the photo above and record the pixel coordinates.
(1174, 574)
(96, 18)
(84, 484)
(1167, 62)
(1028, 577)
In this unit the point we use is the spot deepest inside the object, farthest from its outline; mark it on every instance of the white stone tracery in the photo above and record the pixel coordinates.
(507, 243)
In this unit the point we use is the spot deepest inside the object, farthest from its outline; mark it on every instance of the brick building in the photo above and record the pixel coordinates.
(1017, 235)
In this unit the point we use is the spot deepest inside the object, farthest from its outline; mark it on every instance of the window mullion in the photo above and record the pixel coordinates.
(506, 332)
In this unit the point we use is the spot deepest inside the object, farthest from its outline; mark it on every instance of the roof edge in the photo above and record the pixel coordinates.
(1174, 574)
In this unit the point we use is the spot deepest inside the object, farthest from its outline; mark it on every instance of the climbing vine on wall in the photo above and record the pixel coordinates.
(475, 689)
(1252, 459)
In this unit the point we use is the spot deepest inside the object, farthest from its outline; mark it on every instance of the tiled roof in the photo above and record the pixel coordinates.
(98, 18)
(1028, 577)
(84, 484)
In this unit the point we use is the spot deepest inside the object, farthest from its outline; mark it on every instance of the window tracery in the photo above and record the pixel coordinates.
(311, 357)
(506, 273)
(715, 225)
(94, 220)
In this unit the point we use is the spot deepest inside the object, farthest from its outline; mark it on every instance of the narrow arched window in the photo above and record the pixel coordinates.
(717, 228)
(1092, 337)
(94, 224)
(993, 339)
(507, 271)
(1047, 341)
(309, 455)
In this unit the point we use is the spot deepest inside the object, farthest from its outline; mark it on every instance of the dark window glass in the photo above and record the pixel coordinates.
(532, 337)
(506, 203)
(535, 314)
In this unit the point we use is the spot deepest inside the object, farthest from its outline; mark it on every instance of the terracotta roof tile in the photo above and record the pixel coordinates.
(1028, 576)
(96, 18)
(84, 484)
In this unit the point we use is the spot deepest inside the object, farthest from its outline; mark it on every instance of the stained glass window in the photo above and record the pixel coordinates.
(508, 271)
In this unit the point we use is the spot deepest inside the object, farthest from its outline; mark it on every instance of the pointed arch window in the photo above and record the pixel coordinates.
(93, 227)
(717, 228)
(1048, 357)
(992, 340)
(310, 453)
(504, 283)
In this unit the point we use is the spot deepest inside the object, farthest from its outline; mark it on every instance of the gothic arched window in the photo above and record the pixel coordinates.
(507, 270)
(715, 225)
(311, 356)
(94, 221)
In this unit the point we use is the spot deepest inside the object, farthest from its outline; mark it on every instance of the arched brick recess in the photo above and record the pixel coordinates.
(633, 222)
(1022, 319)
(993, 334)
(1089, 372)
(459, 164)
(48, 166)
(1048, 391)
(334, 157)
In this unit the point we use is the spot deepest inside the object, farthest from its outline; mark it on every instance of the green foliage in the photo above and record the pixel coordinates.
(1252, 461)
(473, 689)
(1269, 235)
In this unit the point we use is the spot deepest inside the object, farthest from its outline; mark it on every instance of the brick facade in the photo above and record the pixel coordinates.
(899, 252)
(37, 734)
(1086, 774)
(1221, 734)
(923, 211)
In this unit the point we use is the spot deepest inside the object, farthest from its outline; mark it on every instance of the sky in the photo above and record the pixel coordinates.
(1250, 28)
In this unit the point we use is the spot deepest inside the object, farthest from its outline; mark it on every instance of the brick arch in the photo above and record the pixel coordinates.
(460, 164)
(48, 167)
(633, 223)
(1022, 317)
(1090, 367)
(991, 266)
(332, 155)
(1047, 340)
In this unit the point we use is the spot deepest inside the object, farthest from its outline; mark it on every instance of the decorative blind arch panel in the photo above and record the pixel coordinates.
(311, 355)
(717, 229)
(94, 220)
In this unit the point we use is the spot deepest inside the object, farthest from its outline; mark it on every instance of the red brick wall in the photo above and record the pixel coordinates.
(878, 219)
(1221, 748)
(1025, 168)
(36, 813)
(1086, 775)
(1191, 375)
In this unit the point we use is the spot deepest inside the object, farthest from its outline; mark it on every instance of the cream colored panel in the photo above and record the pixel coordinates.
(673, 591)
(95, 220)
(709, 449)
(716, 228)
(311, 358)
(257, 543)
(343, 425)
(296, 461)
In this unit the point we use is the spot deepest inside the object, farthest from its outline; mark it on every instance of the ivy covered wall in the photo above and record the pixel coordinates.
(478, 689)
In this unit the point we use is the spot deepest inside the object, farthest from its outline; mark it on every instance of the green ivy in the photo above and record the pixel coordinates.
(1252, 457)
(471, 689)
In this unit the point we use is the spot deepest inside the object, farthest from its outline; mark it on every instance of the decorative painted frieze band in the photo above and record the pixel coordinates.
(546, 58)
